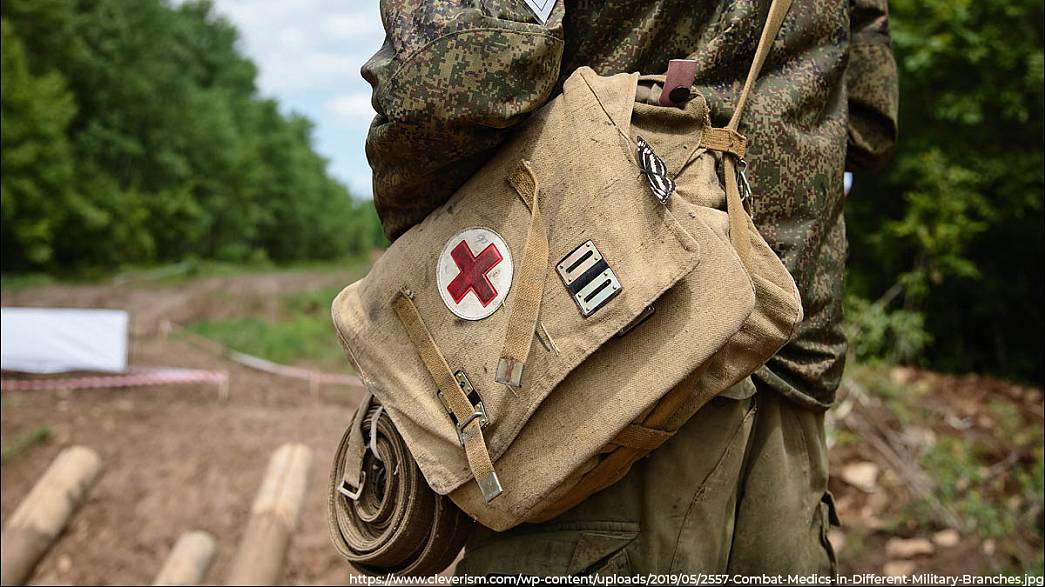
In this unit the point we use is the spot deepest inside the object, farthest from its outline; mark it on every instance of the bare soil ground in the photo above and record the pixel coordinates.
(177, 458)
(945, 477)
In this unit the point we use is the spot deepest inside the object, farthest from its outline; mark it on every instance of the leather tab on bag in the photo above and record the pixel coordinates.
(677, 82)
(725, 140)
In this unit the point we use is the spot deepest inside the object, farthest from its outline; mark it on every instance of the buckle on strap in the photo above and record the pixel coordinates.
(345, 489)
(473, 398)
(480, 415)
(489, 484)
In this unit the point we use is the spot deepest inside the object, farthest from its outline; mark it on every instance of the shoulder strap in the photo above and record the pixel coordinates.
(777, 11)
(727, 139)
(733, 145)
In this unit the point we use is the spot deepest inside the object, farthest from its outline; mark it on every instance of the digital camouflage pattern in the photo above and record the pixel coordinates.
(454, 77)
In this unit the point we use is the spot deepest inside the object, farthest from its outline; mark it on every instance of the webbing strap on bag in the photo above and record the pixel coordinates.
(774, 20)
(391, 521)
(733, 145)
(522, 324)
(526, 306)
(467, 418)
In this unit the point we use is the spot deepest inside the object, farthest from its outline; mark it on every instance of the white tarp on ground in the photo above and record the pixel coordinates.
(53, 340)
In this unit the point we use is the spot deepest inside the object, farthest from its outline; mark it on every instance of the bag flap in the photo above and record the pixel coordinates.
(590, 190)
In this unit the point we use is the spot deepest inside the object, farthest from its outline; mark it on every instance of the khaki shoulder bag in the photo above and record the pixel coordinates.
(562, 315)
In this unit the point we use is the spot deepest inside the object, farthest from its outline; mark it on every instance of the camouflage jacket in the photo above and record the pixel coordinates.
(453, 77)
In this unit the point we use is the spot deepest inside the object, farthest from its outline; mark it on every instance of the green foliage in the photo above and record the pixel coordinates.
(976, 493)
(982, 453)
(989, 475)
(133, 134)
(874, 332)
(37, 166)
(902, 399)
(956, 220)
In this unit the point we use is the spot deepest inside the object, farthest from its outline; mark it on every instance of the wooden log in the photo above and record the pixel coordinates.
(274, 517)
(188, 561)
(44, 513)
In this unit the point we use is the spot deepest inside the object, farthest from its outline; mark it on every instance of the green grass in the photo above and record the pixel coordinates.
(289, 341)
(24, 442)
(302, 333)
(17, 281)
(166, 275)
(178, 273)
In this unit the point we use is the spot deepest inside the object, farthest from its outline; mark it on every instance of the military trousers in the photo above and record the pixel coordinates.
(741, 489)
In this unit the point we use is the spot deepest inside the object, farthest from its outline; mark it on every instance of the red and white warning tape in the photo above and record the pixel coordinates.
(139, 377)
(314, 378)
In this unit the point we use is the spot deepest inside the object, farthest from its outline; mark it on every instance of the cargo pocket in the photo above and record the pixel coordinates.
(828, 518)
(602, 554)
(591, 548)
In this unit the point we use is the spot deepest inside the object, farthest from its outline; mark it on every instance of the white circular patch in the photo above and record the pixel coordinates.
(474, 273)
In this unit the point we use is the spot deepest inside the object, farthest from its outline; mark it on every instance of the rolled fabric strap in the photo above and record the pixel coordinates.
(396, 524)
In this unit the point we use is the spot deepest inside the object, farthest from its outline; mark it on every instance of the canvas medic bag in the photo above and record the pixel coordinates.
(562, 315)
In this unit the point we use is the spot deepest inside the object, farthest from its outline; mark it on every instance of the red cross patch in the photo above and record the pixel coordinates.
(474, 273)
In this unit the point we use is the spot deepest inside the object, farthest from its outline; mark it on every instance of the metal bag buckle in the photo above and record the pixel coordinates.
(473, 398)
(346, 490)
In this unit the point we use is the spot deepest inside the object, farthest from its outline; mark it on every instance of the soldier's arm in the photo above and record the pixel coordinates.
(871, 82)
(450, 80)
